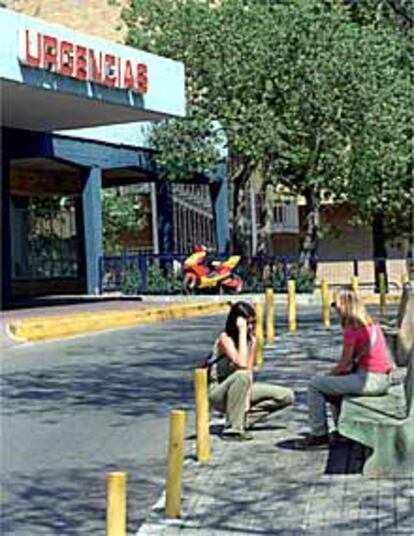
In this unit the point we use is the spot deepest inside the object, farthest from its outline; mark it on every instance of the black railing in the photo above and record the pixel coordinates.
(162, 274)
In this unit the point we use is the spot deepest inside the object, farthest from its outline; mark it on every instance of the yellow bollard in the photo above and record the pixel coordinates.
(259, 334)
(116, 504)
(270, 317)
(292, 305)
(383, 294)
(175, 464)
(404, 279)
(202, 415)
(326, 304)
(355, 283)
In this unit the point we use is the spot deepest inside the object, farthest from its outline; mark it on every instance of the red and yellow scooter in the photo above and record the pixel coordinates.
(217, 275)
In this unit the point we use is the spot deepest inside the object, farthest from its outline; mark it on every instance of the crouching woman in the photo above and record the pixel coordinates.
(232, 389)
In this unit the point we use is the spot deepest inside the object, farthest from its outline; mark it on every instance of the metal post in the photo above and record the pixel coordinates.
(175, 464)
(383, 294)
(292, 305)
(326, 304)
(202, 415)
(116, 504)
(259, 334)
(270, 314)
(154, 210)
(356, 268)
(355, 284)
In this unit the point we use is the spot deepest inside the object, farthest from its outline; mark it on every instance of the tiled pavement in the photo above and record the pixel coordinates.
(267, 487)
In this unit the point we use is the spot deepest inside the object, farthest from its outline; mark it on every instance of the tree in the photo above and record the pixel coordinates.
(230, 79)
(388, 201)
(294, 86)
(120, 213)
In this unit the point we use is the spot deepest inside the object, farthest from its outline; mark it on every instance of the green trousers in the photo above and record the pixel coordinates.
(230, 397)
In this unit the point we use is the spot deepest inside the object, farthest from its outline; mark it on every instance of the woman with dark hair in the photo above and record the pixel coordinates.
(231, 387)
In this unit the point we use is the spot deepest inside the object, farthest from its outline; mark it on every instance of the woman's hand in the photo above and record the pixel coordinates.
(340, 370)
(241, 323)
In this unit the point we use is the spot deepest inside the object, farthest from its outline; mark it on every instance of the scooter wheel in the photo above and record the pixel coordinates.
(190, 284)
(235, 288)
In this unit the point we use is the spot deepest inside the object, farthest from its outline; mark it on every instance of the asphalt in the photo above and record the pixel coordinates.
(73, 410)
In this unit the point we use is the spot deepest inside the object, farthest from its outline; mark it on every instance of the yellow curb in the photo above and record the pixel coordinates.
(55, 327)
(375, 300)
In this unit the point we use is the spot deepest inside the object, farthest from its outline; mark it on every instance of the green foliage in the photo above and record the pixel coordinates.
(312, 94)
(257, 276)
(132, 280)
(186, 147)
(120, 214)
(164, 280)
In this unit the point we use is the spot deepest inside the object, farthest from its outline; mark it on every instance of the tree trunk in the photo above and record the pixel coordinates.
(380, 250)
(410, 257)
(310, 239)
(240, 243)
(264, 237)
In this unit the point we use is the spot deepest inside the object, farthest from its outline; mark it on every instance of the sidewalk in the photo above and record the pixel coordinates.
(266, 487)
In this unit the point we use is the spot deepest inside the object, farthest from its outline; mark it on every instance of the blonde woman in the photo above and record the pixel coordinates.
(363, 368)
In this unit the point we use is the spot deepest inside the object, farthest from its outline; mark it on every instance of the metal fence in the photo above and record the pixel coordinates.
(162, 274)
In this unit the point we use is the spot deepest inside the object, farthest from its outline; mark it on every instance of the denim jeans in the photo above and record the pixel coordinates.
(322, 388)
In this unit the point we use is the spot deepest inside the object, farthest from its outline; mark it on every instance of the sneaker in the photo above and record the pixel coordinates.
(234, 435)
(313, 442)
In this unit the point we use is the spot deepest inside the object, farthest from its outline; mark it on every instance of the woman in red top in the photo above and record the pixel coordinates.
(363, 368)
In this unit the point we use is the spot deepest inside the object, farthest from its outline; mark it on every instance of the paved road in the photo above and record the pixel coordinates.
(74, 410)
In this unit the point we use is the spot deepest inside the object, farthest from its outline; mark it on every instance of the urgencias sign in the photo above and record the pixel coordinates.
(75, 60)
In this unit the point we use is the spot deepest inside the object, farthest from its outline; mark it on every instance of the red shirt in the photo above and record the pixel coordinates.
(376, 359)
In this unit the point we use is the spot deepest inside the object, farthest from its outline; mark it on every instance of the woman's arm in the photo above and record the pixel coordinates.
(344, 365)
(250, 366)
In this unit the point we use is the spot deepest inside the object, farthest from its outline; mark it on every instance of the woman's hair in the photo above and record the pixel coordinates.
(244, 310)
(351, 309)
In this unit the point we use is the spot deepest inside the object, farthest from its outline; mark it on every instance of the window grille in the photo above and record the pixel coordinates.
(44, 237)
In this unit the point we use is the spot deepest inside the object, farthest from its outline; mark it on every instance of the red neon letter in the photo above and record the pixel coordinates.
(129, 82)
(33, 61)
(81, 63)
(95, 68)
(110, 70)
(142, 78)
(50, 52)
(66, 58)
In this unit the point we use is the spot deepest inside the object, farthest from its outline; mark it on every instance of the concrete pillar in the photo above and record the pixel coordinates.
(5, 250)
(165, 217)
(219, 191)
(92, 229)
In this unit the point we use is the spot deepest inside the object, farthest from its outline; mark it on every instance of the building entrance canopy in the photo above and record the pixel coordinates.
(54, 78)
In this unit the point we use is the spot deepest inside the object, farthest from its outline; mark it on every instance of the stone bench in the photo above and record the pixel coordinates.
(385, 425)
